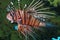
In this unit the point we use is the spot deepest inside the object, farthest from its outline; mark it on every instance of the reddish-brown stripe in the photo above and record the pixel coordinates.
(22, 16)
(30, 20)
(16, 15)
(33, 21)
(19, 14)
(36, 24)
(26, 18)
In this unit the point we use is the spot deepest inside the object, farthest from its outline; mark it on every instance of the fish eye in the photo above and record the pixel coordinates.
(11, 13)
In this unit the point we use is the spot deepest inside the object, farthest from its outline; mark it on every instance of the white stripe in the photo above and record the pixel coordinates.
(30, 4)
(43, 9)
(38, 4)
(35, 3)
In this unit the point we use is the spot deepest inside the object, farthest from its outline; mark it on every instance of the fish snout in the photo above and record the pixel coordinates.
(9, 17)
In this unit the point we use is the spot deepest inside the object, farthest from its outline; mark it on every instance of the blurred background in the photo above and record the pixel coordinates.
(7, 31)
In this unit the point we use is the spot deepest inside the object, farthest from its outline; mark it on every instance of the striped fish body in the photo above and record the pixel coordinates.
(28, 17)
(25, 20)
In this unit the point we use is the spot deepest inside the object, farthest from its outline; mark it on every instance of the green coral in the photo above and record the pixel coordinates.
(54, 2)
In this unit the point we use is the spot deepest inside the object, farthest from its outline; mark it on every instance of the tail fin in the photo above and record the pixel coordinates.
(46, 24)
(50, 25)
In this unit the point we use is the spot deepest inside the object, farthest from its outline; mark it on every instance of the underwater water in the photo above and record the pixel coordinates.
(8, 32)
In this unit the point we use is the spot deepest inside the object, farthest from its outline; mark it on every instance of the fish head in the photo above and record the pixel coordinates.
(9, 17)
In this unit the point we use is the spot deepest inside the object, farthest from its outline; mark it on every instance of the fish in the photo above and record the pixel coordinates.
(28, 18)
(23, 19)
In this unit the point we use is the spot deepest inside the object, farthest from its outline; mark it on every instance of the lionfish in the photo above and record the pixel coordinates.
(27, 18)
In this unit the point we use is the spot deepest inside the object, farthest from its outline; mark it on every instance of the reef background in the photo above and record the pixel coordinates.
(8, 33)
